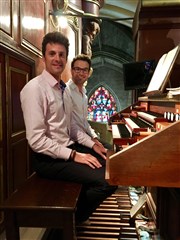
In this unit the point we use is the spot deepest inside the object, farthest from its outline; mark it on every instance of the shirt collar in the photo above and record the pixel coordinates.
(62, 85)
(52, 81)
(74, 86)
(49, 78)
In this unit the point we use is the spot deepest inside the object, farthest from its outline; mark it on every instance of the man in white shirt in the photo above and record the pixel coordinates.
(61, 149)
(80, 72)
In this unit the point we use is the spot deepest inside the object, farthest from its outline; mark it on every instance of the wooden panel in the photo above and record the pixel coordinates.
(17, 152)
(2, 165)
(14, 152)
(19, 164)
(6, 17)
(32, 23)
(169, 213)
(153, 161)
(150, 40)
(73, 34)
(18, 79)
(15, 70)
(161, 108)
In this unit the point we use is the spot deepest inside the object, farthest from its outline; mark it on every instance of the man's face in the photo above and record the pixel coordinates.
(80, 72)
(55, 59)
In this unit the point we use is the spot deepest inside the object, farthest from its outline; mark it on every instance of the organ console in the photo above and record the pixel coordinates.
(148, 143)
(151, 158)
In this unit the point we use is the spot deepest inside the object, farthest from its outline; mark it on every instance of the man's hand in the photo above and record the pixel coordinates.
(88, 159)
(100, 150)
(97, 142)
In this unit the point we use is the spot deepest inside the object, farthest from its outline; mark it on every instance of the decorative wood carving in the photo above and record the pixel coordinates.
(60, 5)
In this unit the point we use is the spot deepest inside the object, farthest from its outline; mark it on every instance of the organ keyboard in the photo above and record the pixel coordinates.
(149, 117)
(135, 126)
(151, 157)
(146, 141)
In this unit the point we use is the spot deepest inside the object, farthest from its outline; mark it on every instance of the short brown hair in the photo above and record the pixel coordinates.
(81, 57)
(55, 37)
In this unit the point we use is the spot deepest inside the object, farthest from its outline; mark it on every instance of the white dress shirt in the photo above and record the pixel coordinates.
(48, 124)
(80, 108)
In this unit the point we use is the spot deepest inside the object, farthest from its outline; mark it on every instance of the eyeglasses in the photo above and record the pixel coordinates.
(83, 70)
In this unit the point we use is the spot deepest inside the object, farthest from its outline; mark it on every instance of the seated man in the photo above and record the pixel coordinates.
(81, 71)
(61, 150)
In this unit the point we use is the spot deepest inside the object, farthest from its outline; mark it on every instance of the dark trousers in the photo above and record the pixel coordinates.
(94, 186)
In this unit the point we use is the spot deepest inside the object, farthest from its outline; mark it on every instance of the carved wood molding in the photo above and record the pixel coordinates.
(60, 5)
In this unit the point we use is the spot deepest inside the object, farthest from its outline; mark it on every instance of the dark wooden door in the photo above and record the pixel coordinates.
(15, 71)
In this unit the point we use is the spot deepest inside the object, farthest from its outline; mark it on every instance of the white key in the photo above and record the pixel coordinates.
(147, 116)
(115, 131)
(130, 123)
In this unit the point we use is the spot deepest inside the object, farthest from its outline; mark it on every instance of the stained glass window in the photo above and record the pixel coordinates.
(101, 105)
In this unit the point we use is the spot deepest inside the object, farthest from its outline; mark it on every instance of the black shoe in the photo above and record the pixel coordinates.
(84, 223)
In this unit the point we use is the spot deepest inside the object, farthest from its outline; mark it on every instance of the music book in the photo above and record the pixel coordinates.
(162, 72)
(174, 91)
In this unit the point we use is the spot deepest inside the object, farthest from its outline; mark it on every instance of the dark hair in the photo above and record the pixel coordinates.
(55, 37)
(81, 57)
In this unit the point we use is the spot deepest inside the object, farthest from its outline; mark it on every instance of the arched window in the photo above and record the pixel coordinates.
(101, 105)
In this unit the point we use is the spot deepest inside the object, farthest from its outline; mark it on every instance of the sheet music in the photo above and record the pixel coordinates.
(155, 82)
(173, 91)
(162, 70)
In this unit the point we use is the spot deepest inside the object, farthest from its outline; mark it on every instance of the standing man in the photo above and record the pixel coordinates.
(61, 149)
(80, 72)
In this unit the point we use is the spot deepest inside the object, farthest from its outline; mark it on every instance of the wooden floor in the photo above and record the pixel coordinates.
(28, 234)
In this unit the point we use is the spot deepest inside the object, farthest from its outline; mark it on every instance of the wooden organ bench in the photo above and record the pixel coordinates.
(42, 203)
